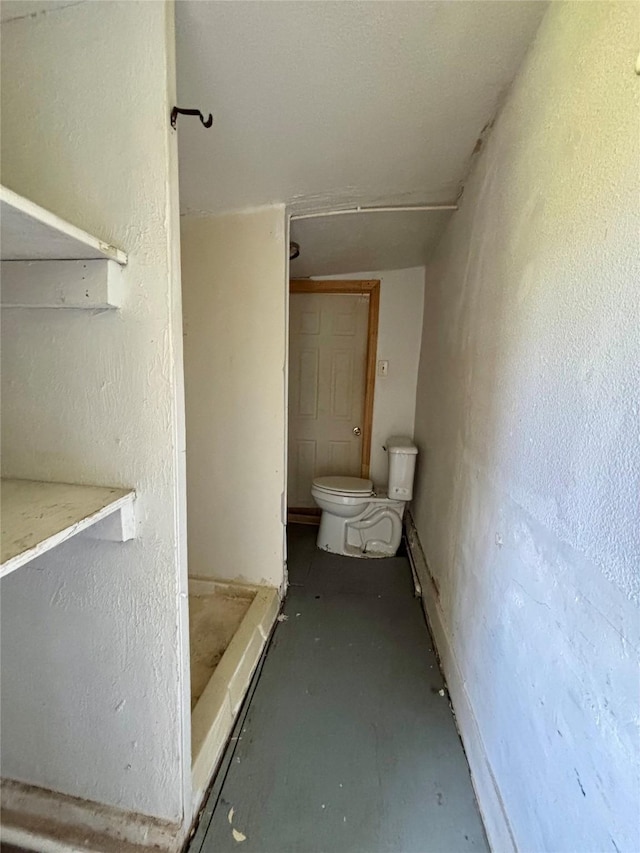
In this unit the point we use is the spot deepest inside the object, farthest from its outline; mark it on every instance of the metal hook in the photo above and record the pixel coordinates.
(177, 110)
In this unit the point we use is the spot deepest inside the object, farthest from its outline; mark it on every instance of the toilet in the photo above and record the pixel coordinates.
(356, 520)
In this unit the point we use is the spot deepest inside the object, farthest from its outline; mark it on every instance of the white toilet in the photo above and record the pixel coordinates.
(357, 521)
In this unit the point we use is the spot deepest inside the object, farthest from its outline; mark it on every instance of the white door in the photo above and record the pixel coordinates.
(327, 368)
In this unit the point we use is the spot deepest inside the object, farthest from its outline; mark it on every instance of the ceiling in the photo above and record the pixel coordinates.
(365, 242)
(326, 105)
(323, 104)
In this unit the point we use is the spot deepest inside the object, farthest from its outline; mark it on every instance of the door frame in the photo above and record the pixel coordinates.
(357, 286)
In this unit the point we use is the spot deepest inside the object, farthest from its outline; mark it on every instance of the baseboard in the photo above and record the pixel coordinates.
(490, 802)
(303, 515)
(48, 822)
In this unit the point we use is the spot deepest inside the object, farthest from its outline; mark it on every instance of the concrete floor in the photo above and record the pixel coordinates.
(346, 744)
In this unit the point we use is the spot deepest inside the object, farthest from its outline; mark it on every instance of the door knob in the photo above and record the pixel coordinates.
(357, 431)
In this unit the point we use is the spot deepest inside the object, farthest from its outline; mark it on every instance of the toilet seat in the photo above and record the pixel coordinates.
(355, 487)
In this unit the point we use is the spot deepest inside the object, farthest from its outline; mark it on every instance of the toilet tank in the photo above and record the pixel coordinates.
(402, 465)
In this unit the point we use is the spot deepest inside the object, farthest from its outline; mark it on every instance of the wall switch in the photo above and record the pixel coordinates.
(383, 368)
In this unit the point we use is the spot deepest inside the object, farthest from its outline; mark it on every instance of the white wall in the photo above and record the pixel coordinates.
(234, 279)
(94, 670)
(399, 333)
(527, 423)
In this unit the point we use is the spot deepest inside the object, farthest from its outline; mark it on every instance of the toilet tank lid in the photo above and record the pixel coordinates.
(345, 485)
(401, 444)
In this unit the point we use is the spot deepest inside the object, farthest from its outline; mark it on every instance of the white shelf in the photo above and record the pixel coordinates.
(38, 516)
(28, 232)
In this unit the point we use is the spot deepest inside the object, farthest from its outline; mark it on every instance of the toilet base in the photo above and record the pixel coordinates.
(375, 532)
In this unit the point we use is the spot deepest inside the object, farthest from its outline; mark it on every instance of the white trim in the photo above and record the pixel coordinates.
(490, 802)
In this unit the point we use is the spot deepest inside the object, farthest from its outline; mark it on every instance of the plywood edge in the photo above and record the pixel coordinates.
(122, 502)
(490, 802)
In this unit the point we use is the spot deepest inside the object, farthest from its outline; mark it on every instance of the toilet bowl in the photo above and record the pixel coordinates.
(356, 520)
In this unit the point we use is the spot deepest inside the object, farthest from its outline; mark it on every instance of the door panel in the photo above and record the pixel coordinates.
(327, 364)
(308, 384)
(341, 385)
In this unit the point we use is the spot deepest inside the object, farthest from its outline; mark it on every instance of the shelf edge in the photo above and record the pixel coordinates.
(122, 504)
(52, 220)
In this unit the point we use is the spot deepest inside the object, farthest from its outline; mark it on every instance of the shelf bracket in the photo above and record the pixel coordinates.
(118, 527)
(93, 285)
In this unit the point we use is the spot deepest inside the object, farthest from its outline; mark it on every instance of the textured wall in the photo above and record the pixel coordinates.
(234, 275)
(527, 422)
(94, 674)
(399, 329)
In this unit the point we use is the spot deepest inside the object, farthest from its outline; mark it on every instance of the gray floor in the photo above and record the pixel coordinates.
(347, 745)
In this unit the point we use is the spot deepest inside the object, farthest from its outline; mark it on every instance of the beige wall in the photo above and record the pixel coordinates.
(234, 293)
(399, 332)
(527, 425)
